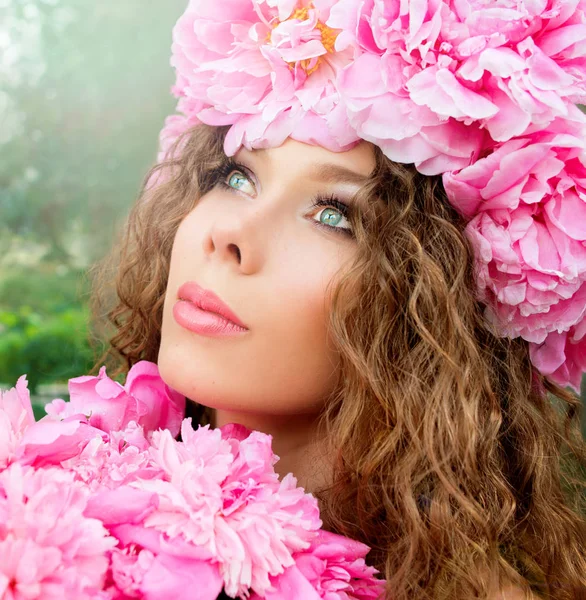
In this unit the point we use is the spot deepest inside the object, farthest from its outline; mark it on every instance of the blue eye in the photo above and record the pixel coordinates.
(334, 211)
(329, 213)
(237, 180)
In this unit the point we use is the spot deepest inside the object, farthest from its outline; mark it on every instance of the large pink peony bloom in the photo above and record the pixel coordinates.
(528, 199)
(16, 415)
(150, 566)
(332, 568)
(431, 79)
(98, 406)
(224, 496)
(49, 548)
(562, 356)
(110, 406)
(267, 67)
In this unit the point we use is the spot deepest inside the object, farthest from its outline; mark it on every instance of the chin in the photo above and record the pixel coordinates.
(168, 371)
(182, 370)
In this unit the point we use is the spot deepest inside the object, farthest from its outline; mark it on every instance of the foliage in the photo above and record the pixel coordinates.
(47, 349)
(45, 289)
(43, 325)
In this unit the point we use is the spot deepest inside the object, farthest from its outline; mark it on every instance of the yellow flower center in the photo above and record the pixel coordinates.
(328, 39)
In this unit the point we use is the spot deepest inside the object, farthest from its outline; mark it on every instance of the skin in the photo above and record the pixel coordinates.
(260, 248)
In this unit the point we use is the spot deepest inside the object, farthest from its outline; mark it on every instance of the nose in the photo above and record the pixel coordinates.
(244, 235)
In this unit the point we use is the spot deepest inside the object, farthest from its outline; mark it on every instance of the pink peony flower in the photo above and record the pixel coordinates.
(529, 235)
(562, 356)
(49, 548)
(270, 525)
(16, 415)
(149, 565)
(266, 67)
(109, 406)
(224, 496)
(49, 442)
(332, 568)
(98, 406)
(157, 405)
(454, 71)
(114, 462)
(129, 567)
(126, 515)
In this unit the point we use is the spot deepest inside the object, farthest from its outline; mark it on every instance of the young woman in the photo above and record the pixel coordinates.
(353, 330)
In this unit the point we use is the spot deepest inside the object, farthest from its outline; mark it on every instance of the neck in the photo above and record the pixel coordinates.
(295, 442)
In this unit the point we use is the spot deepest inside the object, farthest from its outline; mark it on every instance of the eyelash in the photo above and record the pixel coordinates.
(220, 176)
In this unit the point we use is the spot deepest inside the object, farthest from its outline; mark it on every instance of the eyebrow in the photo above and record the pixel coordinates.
(328, 172)
(332, 173)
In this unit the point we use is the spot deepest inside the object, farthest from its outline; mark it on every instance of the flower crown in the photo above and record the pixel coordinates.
(483, 93)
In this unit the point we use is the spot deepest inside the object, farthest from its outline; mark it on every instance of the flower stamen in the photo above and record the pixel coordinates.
(328, 40)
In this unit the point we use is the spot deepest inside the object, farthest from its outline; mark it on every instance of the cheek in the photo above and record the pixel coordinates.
(187, 245)
(300, 360)
(176, 360)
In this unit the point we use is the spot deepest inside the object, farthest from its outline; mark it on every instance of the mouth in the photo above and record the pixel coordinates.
(207, 300)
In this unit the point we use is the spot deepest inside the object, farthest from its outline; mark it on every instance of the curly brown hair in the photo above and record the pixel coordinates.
(456, 461)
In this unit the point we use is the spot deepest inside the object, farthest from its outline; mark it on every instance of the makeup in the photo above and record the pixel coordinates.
(203, 312)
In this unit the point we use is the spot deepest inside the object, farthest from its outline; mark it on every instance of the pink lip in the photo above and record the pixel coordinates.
(202, 311)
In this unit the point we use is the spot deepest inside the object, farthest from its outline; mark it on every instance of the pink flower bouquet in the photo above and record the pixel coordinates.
(99, 500)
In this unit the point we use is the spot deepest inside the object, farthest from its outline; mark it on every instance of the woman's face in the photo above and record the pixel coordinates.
(257, 242)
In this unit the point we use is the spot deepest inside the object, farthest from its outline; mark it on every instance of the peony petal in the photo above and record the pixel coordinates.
(124, 505)
(569, 214)
(181, 578)
(48, 442)
(291, 584)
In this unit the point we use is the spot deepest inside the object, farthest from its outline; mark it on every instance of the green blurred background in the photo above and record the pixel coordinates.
(84, 90)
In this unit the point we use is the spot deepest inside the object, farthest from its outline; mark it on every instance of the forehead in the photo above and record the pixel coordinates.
(318, 162)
